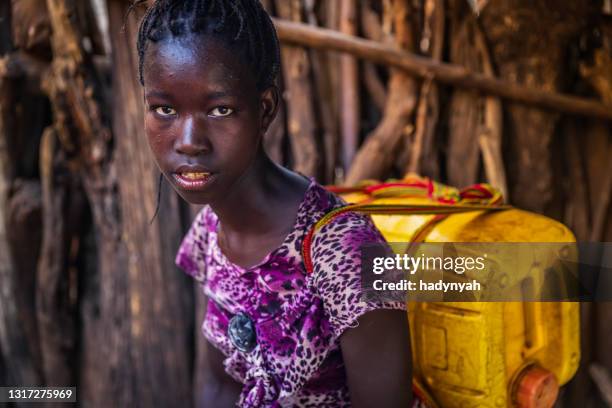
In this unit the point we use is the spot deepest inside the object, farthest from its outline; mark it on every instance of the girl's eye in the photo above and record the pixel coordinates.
(221, 111)
(165, 111)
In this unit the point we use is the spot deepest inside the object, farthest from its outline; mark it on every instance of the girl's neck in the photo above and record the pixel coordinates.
(262, 201)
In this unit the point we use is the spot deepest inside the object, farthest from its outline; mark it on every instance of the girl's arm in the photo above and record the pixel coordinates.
(378, 360)
(220, 390)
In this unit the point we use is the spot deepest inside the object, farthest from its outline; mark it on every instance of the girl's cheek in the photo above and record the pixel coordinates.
(153, 132)
(148, 128)
(158, 142)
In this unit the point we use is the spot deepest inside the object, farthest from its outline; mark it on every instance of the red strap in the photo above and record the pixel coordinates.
(478, 197)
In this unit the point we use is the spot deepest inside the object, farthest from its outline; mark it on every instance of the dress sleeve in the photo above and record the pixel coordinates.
(336, 255)
(191, 255)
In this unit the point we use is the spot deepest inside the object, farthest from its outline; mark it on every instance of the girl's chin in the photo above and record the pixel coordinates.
(195, 198)
(196, 192)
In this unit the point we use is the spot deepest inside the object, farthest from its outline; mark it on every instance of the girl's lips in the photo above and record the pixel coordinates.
(193, 181)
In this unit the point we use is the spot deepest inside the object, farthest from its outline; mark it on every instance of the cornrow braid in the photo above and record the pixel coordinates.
(243, 23)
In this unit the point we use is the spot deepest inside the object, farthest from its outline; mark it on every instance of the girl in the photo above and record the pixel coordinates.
(280, 335)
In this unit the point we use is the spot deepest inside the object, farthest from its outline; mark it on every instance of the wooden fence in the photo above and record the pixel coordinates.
(516, 93)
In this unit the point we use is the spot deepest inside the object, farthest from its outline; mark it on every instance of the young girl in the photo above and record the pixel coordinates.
(280, 335)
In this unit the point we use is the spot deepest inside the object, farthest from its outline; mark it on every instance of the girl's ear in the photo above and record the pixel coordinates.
(269, 102)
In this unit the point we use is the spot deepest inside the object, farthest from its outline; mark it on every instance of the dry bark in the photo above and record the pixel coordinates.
(374, 85)
(475, 126)
(332, 21)
(542, 38)
(372, 30)
(326, 108)
(134, 307)
(466, 109)
(275, 136)
(31, 27)
(83, 137)
(300, 113)
(378, 152)
(19, 357)
(450, 74)
(423, 155)
(596, 73)
(597, 147)
(56, 296)
(147, 306)
(19, 347)
(577, 206)
(349, 88)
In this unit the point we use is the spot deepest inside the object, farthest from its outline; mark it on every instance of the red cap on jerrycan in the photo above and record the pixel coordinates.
(537, 388)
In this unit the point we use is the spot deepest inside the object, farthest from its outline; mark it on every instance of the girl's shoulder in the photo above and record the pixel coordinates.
(345, 232)
(318, 202)
(337, 273)
(190, 256)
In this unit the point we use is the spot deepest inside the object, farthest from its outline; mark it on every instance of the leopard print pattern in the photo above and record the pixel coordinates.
(298, 317)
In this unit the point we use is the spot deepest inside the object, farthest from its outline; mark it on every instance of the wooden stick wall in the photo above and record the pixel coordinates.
(518, 95)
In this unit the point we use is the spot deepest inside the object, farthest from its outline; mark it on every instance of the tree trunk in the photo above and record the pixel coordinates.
(136, 307)
(143, 329)
(542, 37)
(476, 124)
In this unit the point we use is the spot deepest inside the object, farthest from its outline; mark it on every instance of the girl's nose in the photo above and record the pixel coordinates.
(191, 140)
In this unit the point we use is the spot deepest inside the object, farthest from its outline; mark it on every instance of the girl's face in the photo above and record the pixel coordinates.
(204, 118)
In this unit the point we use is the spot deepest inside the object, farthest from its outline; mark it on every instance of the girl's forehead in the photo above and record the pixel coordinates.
(194, 58)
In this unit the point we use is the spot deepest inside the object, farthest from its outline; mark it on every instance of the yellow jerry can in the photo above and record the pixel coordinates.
(481, 354)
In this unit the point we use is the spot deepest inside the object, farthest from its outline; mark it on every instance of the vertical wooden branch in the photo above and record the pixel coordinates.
(577, 206)
(325, 95)
(372, 29)
(601, 213)
(18, 357)
(422, 123)
(423, 156)
(476, 121)
(56, 309)
(275, 136)
(349, 87)
(378, 152)
(332, 21)
(541, 37)
(159, 296)
(300, 116)
(467, 106)
(490, 132)
(82, 135)
(136, 309)
(598, 145)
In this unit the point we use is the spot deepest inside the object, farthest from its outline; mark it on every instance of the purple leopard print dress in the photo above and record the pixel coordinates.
(298, 317)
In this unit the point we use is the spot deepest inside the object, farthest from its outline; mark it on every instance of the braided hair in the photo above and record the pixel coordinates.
(244, 24)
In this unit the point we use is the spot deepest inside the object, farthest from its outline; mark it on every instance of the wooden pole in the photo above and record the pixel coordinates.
(305, 35)
(422, 153)
(300, 113)
(349, 87)
(380, 149)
